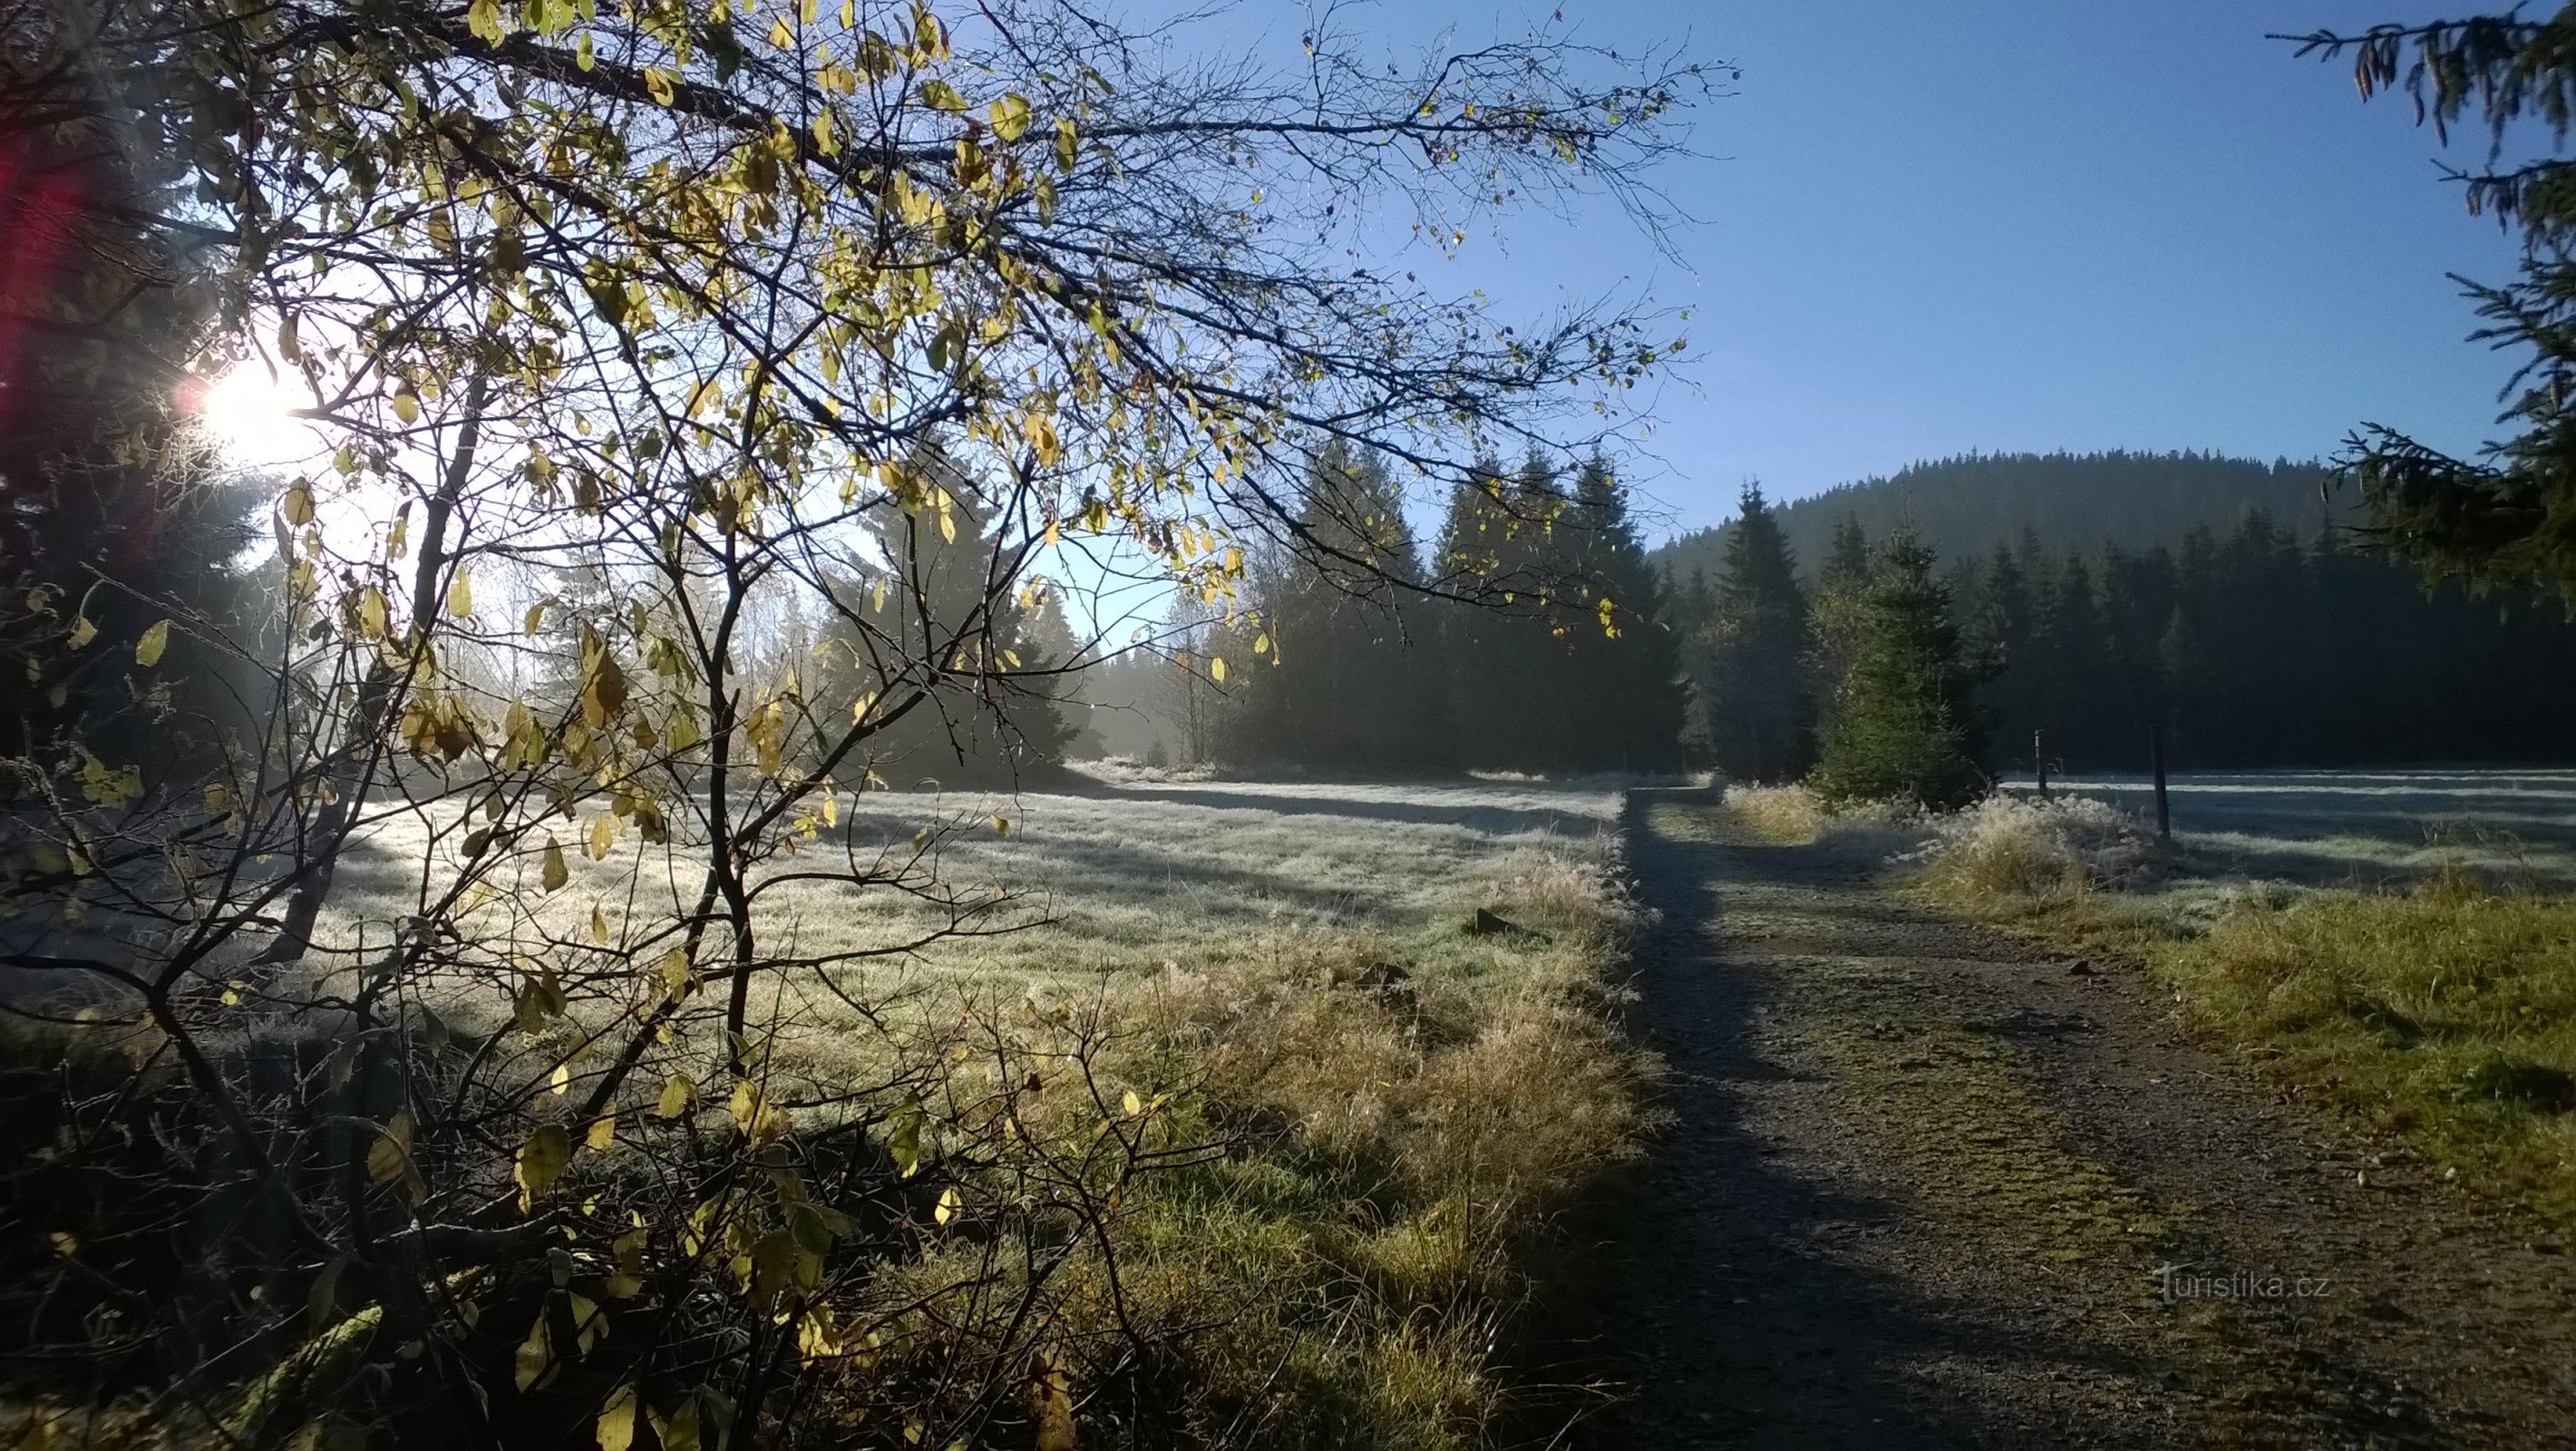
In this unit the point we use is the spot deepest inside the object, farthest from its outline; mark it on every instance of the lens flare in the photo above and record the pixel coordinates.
(251, 417)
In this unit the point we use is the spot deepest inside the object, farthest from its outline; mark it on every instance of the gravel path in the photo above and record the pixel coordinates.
(1928, 1186)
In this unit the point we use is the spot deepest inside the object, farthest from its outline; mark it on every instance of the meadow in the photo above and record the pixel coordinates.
(1337, 998)
(2358, 826)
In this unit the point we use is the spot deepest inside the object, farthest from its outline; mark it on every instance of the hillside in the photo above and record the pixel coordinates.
(1969, 504)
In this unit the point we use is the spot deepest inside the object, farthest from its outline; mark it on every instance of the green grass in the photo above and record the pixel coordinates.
(2442, 1008)
(2446, 1011)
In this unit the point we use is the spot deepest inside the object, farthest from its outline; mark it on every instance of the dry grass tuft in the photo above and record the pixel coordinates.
(2008, 849)
(1369, 1110)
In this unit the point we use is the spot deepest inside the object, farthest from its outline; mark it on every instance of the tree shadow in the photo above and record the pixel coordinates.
(1486, 817)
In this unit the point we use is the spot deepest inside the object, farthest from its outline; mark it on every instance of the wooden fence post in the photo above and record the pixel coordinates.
(2156, 751)
(2039, 761)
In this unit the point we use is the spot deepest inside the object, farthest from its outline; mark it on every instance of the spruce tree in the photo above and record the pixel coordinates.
(1501, 690)
(1622, 680)
(1751, 712)
(1347, 684)
(114, 515)
(994, 712)
(1904, 723)
(1834, 616)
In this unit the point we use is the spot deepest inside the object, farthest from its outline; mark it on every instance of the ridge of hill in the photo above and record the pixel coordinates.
(1967, 505)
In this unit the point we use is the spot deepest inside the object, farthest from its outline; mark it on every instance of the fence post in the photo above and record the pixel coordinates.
(2039, 762)
(2156, 751)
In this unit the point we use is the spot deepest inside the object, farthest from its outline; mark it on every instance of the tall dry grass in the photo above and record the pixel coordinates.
(1353, 1115)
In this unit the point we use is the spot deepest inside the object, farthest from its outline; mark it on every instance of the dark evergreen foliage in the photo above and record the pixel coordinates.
(1966, 506)
(2507, 518)
(111, 517)
(1544, 645)
(1752, 712)
(995, 712)
(1904, 722)
(1351, 679)
(2260, 649)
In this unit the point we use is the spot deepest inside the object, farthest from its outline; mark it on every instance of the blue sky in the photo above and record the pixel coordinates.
(1922, 229)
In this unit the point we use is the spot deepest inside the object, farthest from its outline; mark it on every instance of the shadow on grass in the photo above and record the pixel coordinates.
(1488, 818)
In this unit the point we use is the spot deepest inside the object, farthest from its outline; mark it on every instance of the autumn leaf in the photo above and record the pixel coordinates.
(1010, 116)
(557, 870)
(534, 1354)
(676, 1094)
(391, 1152)
(541, 1161)
(616, 1430)
(147, 651)
(323, 1295)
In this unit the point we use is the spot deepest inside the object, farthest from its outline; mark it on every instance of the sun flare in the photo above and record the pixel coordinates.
(252, 417)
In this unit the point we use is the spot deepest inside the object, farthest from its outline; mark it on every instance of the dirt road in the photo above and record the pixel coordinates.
(1926, 1186)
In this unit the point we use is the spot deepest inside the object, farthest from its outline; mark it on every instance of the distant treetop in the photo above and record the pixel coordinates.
(1966, 505)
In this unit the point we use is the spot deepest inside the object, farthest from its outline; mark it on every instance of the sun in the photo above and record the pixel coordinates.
(251, 416)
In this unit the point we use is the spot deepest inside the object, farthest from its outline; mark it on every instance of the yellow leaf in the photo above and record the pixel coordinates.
(407, 406)
(603, 1132)
(535, 1353)
(1216, 669)
(460, 596)
(1132, 1104)
(541, 1161)
(676, 1095)
(83, 632)
(603, 836)
(557, 871)
(598, 925)
(617, 1420)
(323, 1294)
(536, 616)
(391, 1151)
(147, 651)
(1050, 1398)
(299, 505)
(675, 971)
(1001, 826)
(658, 81)
(1065, 143)
(779, 35)
(1010, 116)
(561, 1083)
(680, 1431)
(950, 1201)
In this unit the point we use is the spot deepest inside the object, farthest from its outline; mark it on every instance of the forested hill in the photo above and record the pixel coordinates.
(1965, 506)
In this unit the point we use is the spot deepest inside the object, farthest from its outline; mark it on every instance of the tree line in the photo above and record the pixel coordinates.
(2253, 647)
(1528, 636)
